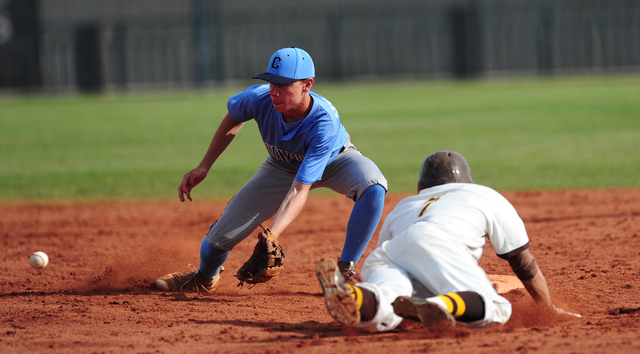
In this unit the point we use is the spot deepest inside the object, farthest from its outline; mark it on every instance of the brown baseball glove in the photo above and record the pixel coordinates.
(265, 262)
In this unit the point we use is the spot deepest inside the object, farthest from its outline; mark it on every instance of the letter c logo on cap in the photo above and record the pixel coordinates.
(276, 62)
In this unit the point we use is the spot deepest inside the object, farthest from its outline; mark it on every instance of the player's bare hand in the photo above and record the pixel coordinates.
(190, 180)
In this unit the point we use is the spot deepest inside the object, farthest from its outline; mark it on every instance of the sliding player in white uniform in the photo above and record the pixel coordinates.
(426, 264)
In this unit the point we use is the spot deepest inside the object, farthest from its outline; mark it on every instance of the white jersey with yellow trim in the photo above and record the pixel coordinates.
(430, 245)
(469, 211)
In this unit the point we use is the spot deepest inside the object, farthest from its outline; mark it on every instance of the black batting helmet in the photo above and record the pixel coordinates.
(444, 167)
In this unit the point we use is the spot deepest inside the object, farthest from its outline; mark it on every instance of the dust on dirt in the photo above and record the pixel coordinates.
(97, 293)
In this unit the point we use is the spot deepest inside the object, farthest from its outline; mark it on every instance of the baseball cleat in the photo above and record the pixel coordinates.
(430, 314)
(337, 295)
(349, 273)
(188, 281)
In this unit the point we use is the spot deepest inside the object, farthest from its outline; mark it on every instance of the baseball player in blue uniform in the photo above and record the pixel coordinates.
(426, 264)
(307, 147)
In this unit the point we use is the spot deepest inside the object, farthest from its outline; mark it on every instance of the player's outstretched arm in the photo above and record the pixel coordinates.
(526, 268)
(539, 291)
(227, 130)
(538, 288)
(291, 206)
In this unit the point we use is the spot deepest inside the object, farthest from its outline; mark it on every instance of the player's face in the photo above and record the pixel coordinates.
(289, 98)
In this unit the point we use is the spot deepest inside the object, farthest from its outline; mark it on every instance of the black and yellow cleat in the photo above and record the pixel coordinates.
(430, 314)
(337, 294)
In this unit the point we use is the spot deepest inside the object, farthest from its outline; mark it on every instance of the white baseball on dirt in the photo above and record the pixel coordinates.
(39, 260)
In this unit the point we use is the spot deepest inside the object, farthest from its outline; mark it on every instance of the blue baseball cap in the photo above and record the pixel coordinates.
(288, 65)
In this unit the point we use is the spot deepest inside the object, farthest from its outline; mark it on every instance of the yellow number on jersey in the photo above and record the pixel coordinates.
(428, 204)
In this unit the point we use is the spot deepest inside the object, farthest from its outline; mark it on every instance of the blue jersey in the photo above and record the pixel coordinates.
(305, 147)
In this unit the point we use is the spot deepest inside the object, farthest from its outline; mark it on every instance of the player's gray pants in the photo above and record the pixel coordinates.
(425, 261)
(349, 174)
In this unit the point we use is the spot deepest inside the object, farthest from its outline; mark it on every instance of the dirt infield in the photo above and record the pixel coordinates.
(97, 294)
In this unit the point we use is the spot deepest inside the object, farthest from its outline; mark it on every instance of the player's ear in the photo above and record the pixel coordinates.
(308, 83)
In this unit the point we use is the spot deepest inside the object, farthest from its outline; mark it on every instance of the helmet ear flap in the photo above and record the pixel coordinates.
(444, 167)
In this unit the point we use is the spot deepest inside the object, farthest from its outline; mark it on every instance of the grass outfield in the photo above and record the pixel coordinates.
(516, 135)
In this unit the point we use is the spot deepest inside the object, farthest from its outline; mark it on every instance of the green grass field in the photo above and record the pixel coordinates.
(523, 134)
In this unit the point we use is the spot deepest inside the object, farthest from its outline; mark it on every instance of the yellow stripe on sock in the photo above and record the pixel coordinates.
(356, 294)
(447, 301)
(462, 307)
